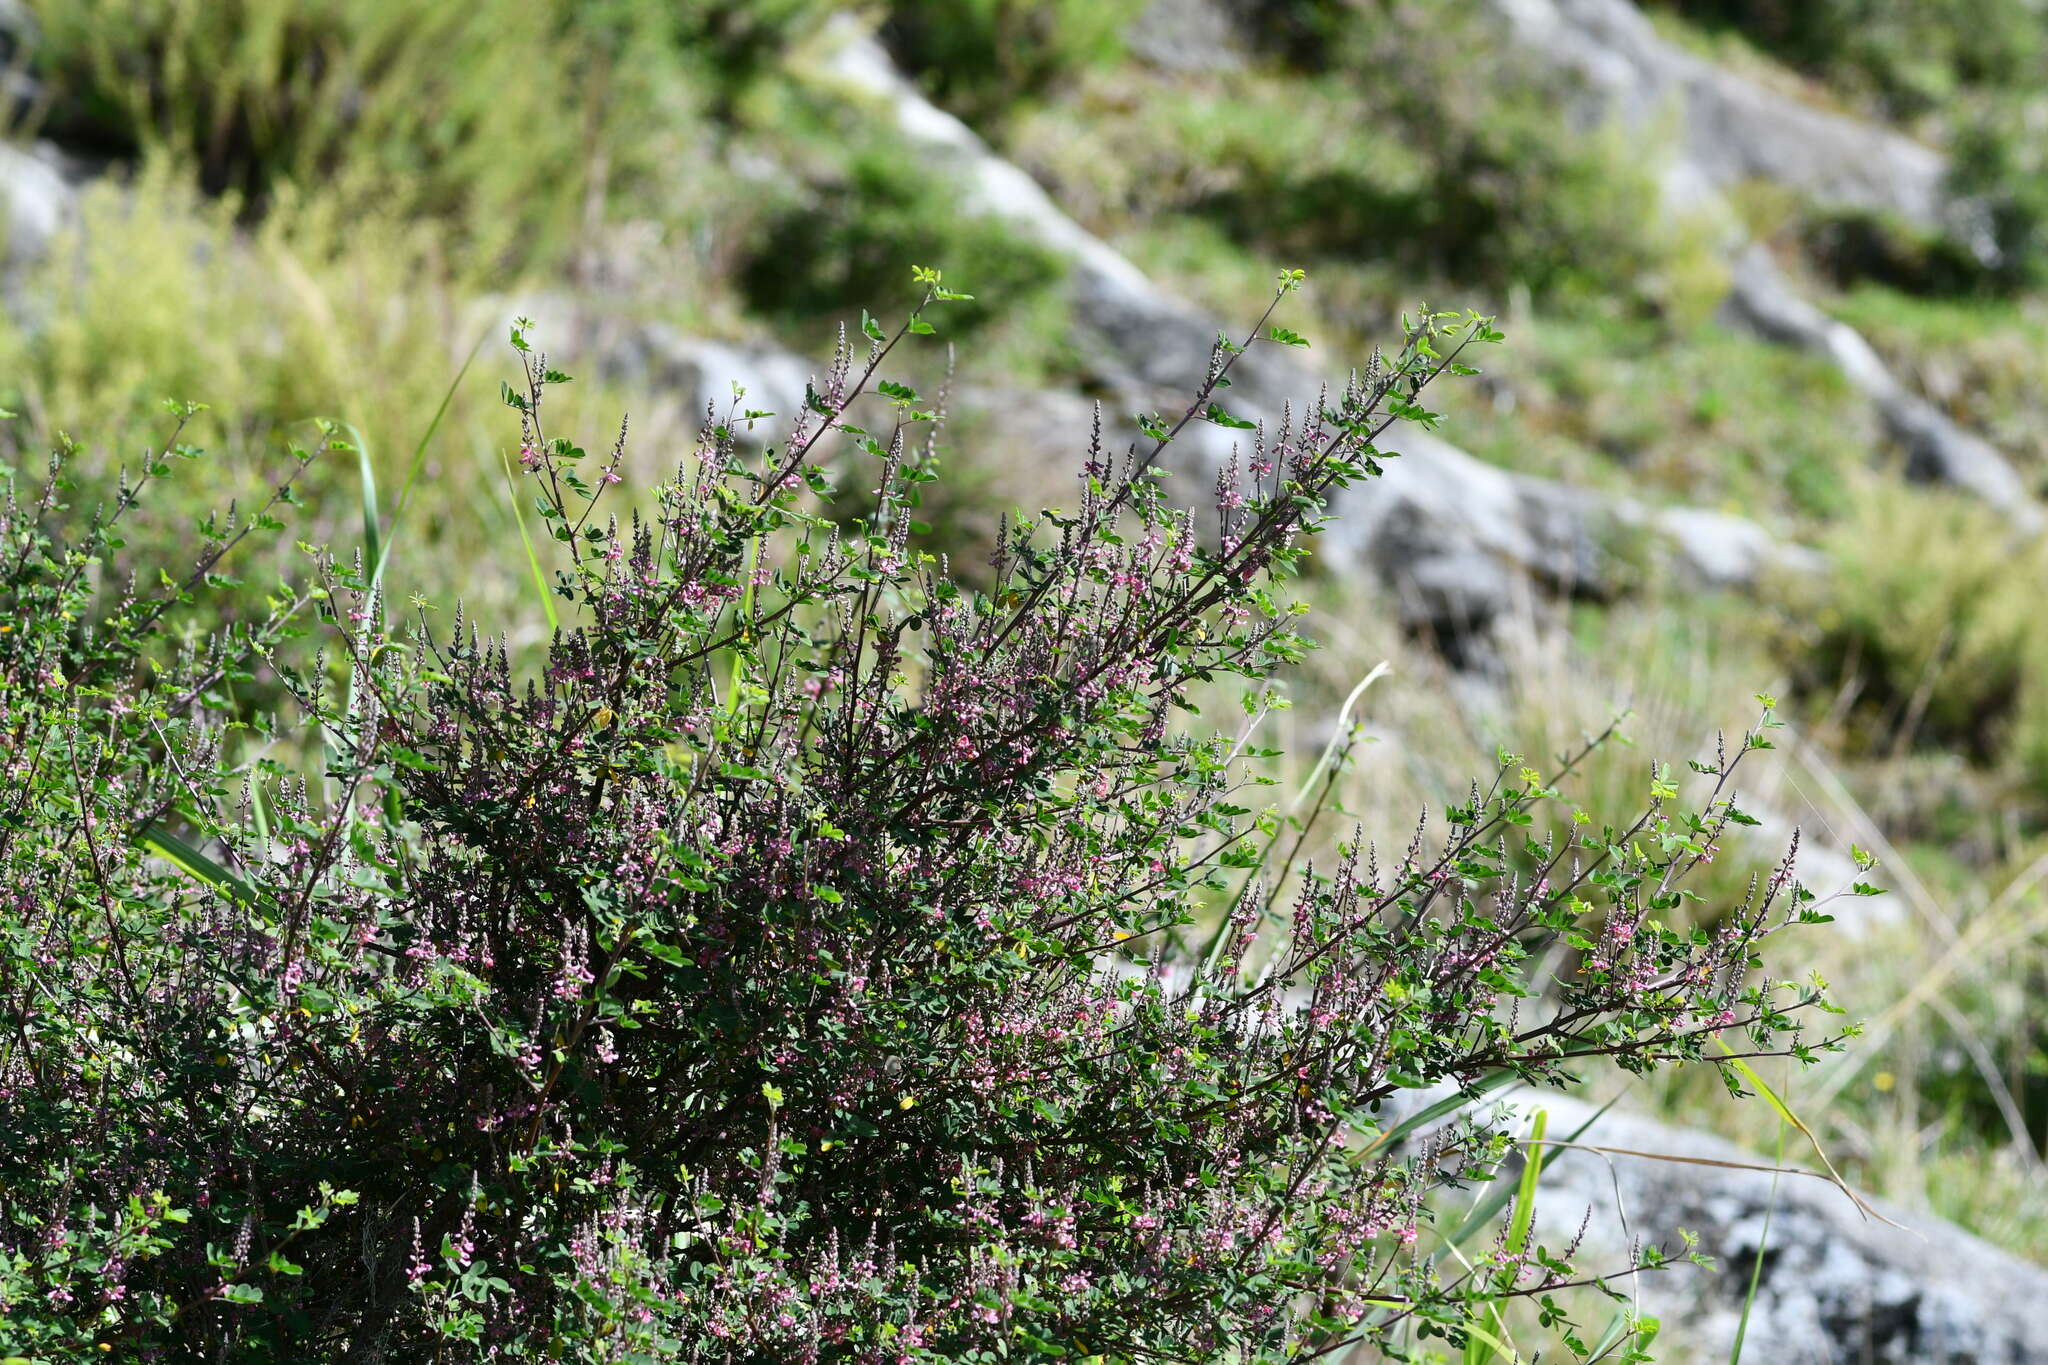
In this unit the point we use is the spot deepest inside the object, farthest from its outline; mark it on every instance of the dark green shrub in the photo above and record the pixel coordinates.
(805, 961)
(979, 57)
(1916, 625)
(1855, 246)
(1410, 141)
(2000, 164)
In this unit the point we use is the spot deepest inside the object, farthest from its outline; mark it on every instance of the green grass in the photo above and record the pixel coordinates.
(512, 126)
(317, 312)
(1700, 415)
(1922, 637)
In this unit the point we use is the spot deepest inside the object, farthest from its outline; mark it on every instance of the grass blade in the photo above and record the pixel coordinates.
(1756, 1269)
(540, 578)
(373, 537)
(419, 450)
(1379, 670)
(1481, 1347)
(1617, 1328)
(1675, 1159)
(196, 865)
(1749, 1074)
(1486, 1210)
(1525, 1193)
(1488, 1343)
(1443, 1108)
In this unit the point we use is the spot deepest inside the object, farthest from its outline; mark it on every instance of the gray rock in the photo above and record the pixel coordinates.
(18, 89)
(988, 186)
(1716, 550)
(1185, 35)
(1836, 1286)
(1450, 533)
(1729, 128)
(703, 375)
(17, 28)
(696, 374)
(1937, 450)
(36, 202)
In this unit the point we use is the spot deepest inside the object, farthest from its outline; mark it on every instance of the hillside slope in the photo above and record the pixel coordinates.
(1770, 419)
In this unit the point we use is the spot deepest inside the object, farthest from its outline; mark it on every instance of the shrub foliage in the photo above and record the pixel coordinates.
(811, 957)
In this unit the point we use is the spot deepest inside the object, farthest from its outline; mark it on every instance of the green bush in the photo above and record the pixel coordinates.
(824, 246)
(2000, 163)
(1917, 626)
(800, 962)
(980, 58)
(1998, 241)
(320, 309)
(1963, 72)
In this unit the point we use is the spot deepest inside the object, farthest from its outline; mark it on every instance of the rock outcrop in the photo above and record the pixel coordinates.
(36, 201)
(1719, 550)
(1727, 129)
(1452, 535)
(704, 374)
(1186, 35)
(1835, 1284)
(1937, 450)
(36, 197)
(18, 89)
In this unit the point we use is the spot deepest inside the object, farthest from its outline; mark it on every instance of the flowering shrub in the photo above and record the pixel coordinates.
(817, 958)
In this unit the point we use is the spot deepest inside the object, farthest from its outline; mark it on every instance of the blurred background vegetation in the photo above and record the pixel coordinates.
(301, 208)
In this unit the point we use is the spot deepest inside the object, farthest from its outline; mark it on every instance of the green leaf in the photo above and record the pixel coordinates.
(1756, 1268)
(1443, 1108)
(195, 864)
(1525, 1194)
(366, 474)
(419, 454)
(540, 578)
